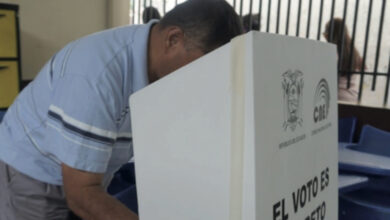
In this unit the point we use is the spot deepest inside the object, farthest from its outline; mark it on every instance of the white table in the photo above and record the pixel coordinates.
(352, 160)
(351, 182)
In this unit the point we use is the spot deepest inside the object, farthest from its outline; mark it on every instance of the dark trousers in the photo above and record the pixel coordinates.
(25, 198)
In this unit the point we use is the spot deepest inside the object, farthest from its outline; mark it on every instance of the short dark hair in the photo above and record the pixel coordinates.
(246, 20)
(207, 24)
(149, 14)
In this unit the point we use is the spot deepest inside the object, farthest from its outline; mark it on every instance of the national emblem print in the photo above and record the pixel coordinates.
(292, 85)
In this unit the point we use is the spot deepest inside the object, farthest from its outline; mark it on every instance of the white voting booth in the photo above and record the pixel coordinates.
(247, 132)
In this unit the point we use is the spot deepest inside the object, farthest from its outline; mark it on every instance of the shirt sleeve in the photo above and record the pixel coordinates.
(81, 124)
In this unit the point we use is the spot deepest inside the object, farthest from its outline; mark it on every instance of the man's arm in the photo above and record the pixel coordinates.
(86, 197)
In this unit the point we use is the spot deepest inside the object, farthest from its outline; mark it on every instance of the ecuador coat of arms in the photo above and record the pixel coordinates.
(292, 85)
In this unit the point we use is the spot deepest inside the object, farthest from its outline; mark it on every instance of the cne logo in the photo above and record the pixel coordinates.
(292, 85)
(321, 101)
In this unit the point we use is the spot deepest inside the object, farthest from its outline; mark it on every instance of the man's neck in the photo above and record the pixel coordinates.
(153, 34)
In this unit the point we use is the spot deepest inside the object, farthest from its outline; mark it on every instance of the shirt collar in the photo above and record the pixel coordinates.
(140, 56)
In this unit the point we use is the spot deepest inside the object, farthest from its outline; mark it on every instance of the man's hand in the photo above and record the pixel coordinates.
(86, 197)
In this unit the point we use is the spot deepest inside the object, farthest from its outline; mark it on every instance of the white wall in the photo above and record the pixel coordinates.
(339, 7)
(118, 13)
(48, 25)
(374, 98)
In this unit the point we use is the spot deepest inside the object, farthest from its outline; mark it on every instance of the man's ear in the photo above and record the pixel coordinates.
(174, 38)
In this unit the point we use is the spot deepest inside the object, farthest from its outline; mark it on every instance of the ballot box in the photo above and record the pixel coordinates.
(246, 132)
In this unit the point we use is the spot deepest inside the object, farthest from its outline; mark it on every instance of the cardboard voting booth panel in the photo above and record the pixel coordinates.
(246, 132)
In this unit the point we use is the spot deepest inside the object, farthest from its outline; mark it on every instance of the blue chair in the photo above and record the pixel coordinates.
(123, 179)
(347, 129)
(2, 113)
(129, 198)
(373, 140)
(379, 183)
(123, 187)
(364, 204)
(373, 201)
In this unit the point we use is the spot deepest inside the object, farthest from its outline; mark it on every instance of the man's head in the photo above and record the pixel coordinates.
(189, 31)
(149, 14)
(246, 20)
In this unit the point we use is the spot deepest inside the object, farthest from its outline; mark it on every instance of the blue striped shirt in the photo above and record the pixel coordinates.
(76, 110)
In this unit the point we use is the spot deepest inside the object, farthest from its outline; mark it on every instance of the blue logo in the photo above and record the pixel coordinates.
(321, 101)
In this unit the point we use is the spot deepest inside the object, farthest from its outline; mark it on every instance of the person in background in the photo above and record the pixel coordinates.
(149, 14)
(69, 130)
(255, 22)
(349, 59)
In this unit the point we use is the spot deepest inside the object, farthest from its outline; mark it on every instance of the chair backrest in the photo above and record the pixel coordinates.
(364, 204)
(2, 113)
(374, 140)
(347, 129)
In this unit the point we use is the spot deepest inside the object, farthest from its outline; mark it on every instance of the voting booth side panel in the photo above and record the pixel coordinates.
(295, 102)
(242, 198)
(181, 130)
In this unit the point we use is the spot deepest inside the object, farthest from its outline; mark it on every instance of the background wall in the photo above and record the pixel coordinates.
(372, 98)
(118, 13)
(48, 25)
